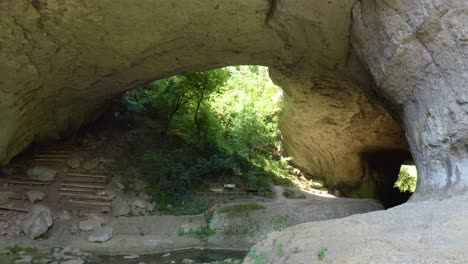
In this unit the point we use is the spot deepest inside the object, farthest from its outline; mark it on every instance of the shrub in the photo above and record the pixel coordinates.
(406, 182)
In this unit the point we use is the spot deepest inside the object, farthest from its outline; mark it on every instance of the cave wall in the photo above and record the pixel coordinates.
(343, 65)
(417, 53)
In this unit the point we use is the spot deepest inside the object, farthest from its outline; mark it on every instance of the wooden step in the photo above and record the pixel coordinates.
(4, 208)
(72, 174)
(86, 197)
(78, 190)
(25, 182)
(88, 203)
(78, 180)
(82, 186)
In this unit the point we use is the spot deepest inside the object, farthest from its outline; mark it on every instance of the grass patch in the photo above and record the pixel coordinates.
(257, 257)
(203, 232)
(241, 209)
(321, 253)
(15, 249)
(293, 194)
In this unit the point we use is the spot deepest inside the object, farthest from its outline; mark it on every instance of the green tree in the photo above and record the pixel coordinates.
(203, 85)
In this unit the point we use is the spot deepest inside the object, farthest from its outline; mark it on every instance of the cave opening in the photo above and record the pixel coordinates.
(394, 175)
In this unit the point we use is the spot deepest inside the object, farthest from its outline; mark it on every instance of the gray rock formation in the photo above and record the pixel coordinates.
(37, 221)
(42, 173)
(356, 74)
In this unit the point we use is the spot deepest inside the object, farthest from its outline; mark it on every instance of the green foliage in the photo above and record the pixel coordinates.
(257, 257)
(406, 182)
(222, 119)
(321, 253)
(202, 232)
(44, 236)
(241, 209)
(293, 194)
(15, 249)
(280, 249)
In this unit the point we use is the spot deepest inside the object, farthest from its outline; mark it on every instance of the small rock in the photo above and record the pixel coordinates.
(105, 209)
(6, 196)
(35, 196)
(73, 261)
(168, 254)
(139, 203)
(64, 216)
(101, 234)
(42, 174)
(74, 162)
(37, 221)
(120, 207)
(133, 256)
(90, 164)
(187, 261)
(111, 193)
(90, 224)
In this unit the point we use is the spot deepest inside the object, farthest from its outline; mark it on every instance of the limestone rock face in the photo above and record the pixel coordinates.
(353, 72)
(417, 53)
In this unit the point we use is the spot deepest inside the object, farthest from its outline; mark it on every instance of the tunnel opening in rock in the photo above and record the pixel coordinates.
(387, 170)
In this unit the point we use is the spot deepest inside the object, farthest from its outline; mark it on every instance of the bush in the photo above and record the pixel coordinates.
(406, 182)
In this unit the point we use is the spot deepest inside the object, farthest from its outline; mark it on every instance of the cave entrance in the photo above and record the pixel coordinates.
(393, 174)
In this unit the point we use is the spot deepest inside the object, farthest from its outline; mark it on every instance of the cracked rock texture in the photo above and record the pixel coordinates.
(353, 73)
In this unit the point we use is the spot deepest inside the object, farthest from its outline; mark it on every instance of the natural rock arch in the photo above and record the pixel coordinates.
(351, 72)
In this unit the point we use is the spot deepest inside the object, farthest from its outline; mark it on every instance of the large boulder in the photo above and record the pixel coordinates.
(37, 221)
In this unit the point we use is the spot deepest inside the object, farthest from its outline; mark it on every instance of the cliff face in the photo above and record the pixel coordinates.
(342, 65)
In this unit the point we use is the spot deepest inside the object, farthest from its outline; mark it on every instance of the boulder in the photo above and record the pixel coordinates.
(42, 173)
(101, 234)
(37, 221)
(139, 203)
(120, 207)
(35, 196)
